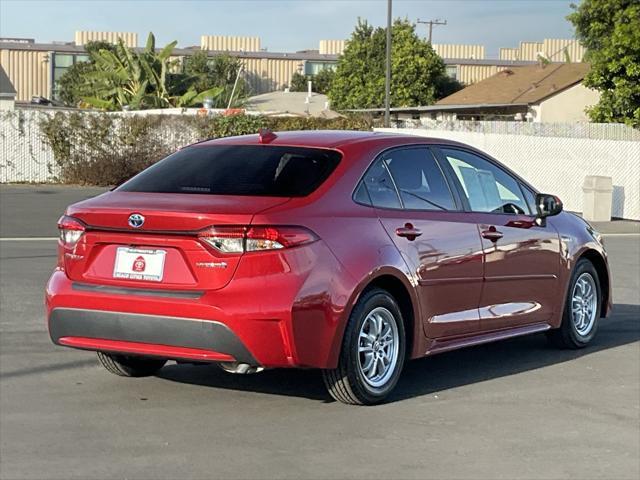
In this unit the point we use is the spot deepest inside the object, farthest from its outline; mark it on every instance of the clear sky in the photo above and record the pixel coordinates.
(285, 25)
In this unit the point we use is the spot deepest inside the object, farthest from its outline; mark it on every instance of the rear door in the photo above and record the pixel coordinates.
(422, 216)
(522, 259)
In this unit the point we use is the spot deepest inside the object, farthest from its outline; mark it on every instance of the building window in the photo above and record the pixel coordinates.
(313, 68)
(452, 71)
(61, 63)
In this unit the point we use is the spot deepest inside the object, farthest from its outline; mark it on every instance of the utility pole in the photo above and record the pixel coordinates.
(387, 80)
(431, 23)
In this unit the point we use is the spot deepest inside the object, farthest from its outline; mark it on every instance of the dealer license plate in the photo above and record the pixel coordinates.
(139, 264)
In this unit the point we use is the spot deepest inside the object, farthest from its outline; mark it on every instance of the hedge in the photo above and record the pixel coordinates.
(106, 149)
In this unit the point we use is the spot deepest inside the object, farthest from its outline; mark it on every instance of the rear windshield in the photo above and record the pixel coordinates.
(238, 170)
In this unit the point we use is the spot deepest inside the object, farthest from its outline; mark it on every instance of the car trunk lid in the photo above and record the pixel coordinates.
(165, 251)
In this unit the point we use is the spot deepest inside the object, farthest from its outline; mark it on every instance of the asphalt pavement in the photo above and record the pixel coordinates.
(514, 409)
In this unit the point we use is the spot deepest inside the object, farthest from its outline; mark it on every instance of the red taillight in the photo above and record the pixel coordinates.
(240, 239)
(71, 230)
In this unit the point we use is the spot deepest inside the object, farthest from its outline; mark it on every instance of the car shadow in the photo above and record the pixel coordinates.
(427, 375)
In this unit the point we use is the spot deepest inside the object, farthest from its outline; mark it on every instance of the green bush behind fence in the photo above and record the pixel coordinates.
(106, 149)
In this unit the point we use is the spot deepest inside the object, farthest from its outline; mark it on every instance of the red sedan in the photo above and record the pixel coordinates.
(350, 252)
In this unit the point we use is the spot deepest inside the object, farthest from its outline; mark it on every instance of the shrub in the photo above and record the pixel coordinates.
(320, 82)
(106, 149)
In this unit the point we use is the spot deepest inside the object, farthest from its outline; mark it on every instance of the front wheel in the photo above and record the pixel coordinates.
(582, 309)
(130, 366)
(372, 354)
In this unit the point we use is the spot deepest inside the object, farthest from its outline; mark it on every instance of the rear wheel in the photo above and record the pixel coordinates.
(372, 354)
(130, 366)
(582, 309)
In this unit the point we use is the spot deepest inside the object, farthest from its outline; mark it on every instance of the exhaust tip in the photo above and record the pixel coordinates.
(240, 368)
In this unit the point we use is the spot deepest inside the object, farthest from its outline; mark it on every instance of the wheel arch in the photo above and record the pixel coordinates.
(399, 286)
(600, 264)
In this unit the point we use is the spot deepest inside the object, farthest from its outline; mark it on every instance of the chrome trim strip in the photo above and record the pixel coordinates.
(144, 292)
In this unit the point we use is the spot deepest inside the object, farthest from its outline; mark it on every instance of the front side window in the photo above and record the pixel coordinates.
(530, 198)
(238, 170)
(419, 180)
(487, 187)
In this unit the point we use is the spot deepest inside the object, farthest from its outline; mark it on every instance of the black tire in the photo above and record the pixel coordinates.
(346, 383)
(130, 366)
(568, 336)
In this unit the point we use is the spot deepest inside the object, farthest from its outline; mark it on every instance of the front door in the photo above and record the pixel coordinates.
(522, 259)
(442, 248)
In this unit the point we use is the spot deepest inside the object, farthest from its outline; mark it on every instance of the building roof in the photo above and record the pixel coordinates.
(70, 47)
(310, 55)
(7, 90)
(520, 85)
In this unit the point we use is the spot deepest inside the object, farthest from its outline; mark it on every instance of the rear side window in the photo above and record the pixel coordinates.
(380, 186)
(419, 179)
(238, 170)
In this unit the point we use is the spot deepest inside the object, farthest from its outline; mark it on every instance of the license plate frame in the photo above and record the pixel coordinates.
(138, 263)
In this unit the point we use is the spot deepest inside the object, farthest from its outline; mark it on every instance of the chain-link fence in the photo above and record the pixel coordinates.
(27, 157)
(553, 157)
(594, 131)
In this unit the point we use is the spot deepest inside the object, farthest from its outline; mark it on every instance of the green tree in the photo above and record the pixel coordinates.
(610, 31)
(73, 84)
(298, 82)
(320, 82)
(117, 77)
(219, 71)
(323, 80)
(418, 74)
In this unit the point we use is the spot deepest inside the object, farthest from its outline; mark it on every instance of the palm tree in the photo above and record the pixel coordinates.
(123, 78)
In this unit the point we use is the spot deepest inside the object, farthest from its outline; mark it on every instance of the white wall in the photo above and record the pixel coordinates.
(559, 165)
(567, 106)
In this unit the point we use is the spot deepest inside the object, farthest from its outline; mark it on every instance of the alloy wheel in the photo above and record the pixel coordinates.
(378, 343)
(584, 303)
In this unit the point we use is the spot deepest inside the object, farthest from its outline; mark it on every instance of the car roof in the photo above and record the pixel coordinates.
(321, 138)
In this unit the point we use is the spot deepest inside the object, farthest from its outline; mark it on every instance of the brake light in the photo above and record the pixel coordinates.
(71, 230)
(240, 239)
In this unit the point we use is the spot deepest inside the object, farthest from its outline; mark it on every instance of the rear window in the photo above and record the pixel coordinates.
(238, 170)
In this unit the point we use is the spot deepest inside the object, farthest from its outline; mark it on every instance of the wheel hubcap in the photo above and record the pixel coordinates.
(378, 343)
(584, 304)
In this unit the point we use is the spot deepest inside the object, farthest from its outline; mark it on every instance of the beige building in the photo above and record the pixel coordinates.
(552, 49)
(34, 68)
(130, 39)
(469, 52)
(222, 43)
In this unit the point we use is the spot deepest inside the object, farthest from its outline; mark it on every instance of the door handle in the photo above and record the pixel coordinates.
(408, 231)
(492, 234)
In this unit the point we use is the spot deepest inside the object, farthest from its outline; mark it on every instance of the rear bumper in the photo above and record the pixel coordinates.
(286, 311)
(171, 337)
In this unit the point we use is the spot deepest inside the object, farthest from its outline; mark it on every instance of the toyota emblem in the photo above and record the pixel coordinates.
(136, 220)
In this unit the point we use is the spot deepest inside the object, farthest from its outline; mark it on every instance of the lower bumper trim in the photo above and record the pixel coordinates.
(98, 329)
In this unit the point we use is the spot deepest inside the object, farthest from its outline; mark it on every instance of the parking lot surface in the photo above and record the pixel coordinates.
(515, 409)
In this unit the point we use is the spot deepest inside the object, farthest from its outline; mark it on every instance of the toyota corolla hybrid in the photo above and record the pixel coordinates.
(348, 252)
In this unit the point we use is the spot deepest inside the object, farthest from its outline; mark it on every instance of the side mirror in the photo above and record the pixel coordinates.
(547, 206)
